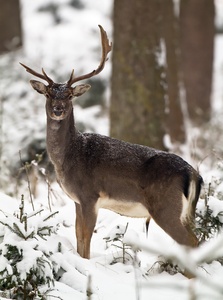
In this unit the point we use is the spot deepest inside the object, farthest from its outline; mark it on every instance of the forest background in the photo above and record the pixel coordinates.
(161, 87)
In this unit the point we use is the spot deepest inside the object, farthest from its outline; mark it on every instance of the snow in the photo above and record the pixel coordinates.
(105, 278)
(74, 43)
(219, 13)
(216, 206)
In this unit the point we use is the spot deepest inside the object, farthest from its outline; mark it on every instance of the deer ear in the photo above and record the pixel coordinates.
(80, 89)
(38, 86)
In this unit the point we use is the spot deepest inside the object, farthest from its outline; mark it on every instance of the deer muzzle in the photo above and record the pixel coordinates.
(58, 111)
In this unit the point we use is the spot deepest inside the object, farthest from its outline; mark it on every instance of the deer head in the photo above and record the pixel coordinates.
(59, 95)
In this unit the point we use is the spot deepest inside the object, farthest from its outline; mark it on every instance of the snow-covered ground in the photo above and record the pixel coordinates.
(74, 42)
(105, 276)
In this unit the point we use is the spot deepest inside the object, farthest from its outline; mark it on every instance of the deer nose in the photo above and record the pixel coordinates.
(57, 111)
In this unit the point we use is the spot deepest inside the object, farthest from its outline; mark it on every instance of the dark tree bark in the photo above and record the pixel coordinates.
(197, 43)
(175, 118)
(10, 25)
(137, 103)
(146, 95)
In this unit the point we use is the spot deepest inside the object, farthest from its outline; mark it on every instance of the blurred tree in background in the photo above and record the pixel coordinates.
(174, 114)
(10, 25)
(162, 56)
(138, 88)
(197, 50)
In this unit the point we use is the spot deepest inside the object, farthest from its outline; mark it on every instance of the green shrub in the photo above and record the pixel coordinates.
(25, 261)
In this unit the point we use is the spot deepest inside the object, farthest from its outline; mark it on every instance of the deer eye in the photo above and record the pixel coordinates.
(70, 97)
(47, 95)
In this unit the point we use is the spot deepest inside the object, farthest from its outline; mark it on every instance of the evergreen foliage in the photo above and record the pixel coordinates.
(123, 253)
(208, 222)
(25, 265)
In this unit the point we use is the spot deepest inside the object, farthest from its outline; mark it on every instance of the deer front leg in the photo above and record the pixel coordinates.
(85, 223)
(79, 232)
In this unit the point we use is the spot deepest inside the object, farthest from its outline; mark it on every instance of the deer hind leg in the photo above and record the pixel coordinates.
(173, 218)
(85, 223)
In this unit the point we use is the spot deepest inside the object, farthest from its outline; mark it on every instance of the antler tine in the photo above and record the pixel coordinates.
(69, 82)
(106, 48)
(47, 78)
(43, 76)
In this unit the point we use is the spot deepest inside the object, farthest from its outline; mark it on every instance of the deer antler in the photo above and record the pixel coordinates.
(43, 76)
(106, 48)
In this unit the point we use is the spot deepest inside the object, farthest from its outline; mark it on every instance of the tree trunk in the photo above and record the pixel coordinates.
(197, 40)
(10, 25)
(137, 102)
(175, 118)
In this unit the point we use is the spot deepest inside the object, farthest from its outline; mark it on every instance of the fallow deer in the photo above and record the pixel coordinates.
(97, 171)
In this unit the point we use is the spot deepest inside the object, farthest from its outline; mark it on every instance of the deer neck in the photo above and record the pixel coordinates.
(60, 136)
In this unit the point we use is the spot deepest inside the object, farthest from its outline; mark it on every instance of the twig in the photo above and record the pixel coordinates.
(28, 181)
(51, 215)
(137, 285)
(48, 191)
(89, 288)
